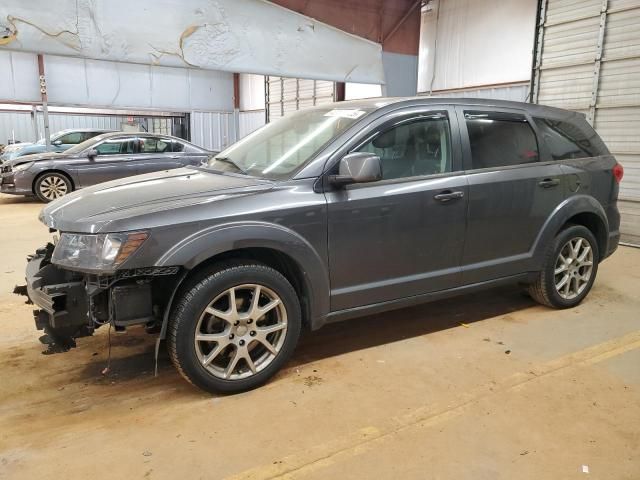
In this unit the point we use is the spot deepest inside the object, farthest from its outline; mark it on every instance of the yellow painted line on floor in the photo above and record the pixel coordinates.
(363, 440)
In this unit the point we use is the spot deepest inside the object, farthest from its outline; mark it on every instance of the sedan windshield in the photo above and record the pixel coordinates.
(279, 148)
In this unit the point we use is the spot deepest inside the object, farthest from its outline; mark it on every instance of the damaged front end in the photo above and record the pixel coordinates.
(73, 304)
(61, 296)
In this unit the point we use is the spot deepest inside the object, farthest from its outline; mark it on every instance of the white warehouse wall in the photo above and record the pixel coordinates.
(355, 91)
(251, 92)
(470, 43)
(97, 83)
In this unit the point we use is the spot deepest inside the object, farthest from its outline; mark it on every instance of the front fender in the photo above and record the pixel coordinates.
(572, 206)
(209, 242)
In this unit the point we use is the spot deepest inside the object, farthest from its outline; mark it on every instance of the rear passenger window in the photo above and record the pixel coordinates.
(154, 145)
(565, 140)
(500, 139)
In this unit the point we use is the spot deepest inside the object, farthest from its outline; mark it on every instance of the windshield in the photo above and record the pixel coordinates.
(283, 146)
(86, 144)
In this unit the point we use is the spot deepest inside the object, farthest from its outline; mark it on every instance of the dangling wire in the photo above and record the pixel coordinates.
(107, 369)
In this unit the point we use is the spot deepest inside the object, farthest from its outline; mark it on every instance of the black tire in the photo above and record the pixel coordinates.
(197, 296)
(60, 181)
(544, 290)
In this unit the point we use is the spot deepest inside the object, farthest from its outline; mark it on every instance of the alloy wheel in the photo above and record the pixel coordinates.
(573, 268)
(52, 187)
(241, 331)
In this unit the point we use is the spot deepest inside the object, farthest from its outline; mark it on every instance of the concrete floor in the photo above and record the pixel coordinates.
(487, 386)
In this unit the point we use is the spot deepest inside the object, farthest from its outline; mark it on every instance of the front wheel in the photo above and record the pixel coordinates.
(235, 328)
(51, 185)
(569, 269)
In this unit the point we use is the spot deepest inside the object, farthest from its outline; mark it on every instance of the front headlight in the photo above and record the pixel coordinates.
(102, 252)
(22, 166)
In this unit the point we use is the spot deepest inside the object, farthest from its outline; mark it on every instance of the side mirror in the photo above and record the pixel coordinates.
(56, 143)
(358, 167)
(92, 153)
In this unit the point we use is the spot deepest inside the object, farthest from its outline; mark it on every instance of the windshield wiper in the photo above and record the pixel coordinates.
(230, 162)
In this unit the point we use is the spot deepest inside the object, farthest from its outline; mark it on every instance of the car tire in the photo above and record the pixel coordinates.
(569, 269)
(52, 185)
(207, 334)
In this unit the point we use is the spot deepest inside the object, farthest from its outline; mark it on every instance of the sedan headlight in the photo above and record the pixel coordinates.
(102, 252)
(22, 166)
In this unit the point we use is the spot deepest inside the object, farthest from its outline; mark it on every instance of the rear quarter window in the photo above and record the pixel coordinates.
(569, 140)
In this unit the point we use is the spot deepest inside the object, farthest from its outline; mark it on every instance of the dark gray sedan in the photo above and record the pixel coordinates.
(99, 159)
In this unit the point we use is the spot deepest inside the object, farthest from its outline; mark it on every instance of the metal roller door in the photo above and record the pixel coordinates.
(285, 95)
(588, 59)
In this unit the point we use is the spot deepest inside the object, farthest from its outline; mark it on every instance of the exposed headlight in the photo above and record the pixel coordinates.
(22, 166)
(102, 252)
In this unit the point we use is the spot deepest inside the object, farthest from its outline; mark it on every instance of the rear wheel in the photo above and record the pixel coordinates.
(569, 269)
(233, 329)
(51, 185)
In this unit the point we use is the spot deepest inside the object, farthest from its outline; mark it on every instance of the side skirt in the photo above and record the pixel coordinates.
(374, 308)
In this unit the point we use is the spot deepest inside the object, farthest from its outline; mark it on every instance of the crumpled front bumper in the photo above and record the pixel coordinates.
(16, 183)
(73, 304)
(61, 297)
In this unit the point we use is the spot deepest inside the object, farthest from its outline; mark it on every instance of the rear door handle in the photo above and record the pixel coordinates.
(549, 182)
(447, 196)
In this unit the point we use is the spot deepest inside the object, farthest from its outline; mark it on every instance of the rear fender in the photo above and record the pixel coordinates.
(572, 206)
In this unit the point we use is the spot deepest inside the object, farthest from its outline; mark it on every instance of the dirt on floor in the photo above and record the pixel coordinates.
(486, 386)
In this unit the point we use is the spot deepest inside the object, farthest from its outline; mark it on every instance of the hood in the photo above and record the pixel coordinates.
(36, 157)
(16, 146)
(138, 202)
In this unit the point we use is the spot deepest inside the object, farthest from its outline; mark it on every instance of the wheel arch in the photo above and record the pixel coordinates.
(276, 259)
(596, 225)
(67, 175)
(579, 210)
(273, 245)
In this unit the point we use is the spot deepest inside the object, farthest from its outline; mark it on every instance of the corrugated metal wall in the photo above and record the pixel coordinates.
(588, 60)
(58, 121)
(250, 121)
(285, 95)
(22, 123)
(16, 125)
(212, 130)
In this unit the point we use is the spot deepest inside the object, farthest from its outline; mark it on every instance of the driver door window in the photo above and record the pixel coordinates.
(415, 147)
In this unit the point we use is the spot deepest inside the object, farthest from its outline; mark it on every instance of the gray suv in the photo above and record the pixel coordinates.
(330, 213)
(98, 159)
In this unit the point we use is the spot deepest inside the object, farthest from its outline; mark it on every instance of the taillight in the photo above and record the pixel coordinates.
(618, 172)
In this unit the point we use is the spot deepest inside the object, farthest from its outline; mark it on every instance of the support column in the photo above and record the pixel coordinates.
(591, 117)
(45, 108)
(340, 91)
(236, 106)
(34, 123)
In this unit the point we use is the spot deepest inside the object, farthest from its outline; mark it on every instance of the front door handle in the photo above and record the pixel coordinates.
(447, 196)
(549, 182)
